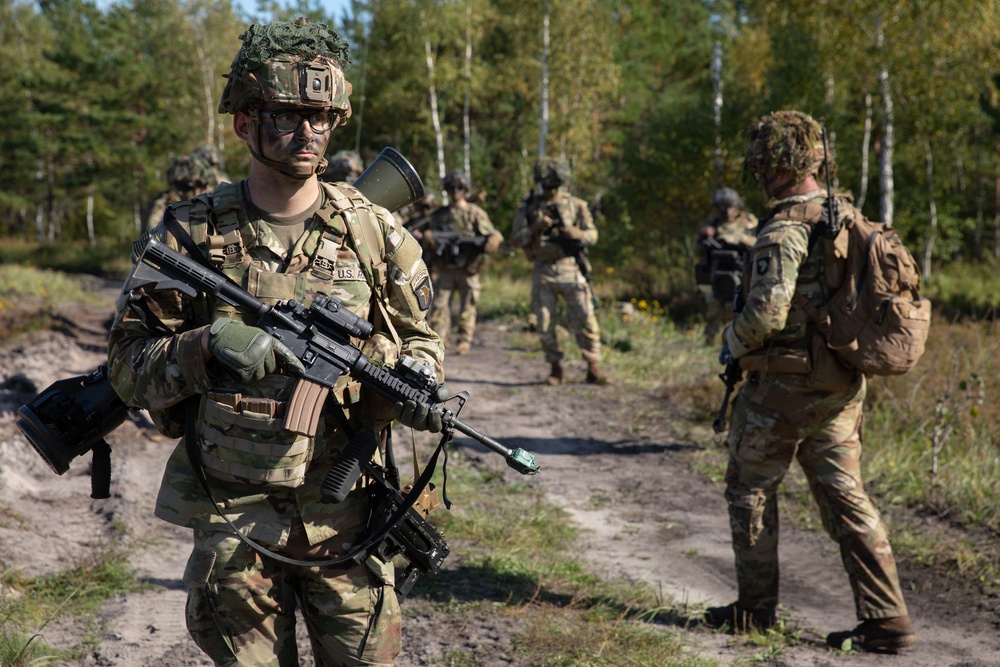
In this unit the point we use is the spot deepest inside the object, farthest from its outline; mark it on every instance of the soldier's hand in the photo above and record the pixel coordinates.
(421, 417)
(541, 224)
(248, 352)
(428, 239)
(572, 233)
(492, 244)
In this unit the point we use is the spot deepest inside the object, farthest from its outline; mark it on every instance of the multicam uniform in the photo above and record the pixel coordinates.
(557, 273)
(461, 275)
(799, 402)
(266, 479)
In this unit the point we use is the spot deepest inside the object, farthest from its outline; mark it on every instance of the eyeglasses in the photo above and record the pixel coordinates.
(287, 121)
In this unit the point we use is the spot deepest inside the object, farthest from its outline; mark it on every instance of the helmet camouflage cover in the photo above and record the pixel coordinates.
(344, 166)
(296, 62)
(786, 141)
(188, 172)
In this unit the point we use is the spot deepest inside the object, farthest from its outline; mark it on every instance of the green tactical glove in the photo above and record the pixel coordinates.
(249, 352)
(418, 416)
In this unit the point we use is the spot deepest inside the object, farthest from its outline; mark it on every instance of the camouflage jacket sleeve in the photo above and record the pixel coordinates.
(775, 259)
(150, 370)
(583, 220)
(484, 226)
(409, 293)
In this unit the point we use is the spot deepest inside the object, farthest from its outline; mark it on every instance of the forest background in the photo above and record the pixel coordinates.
(648, 100)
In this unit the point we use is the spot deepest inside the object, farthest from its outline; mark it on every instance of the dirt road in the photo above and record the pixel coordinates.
(644, 517)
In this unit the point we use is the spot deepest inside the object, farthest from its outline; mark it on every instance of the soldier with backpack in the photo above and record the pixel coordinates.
(801, 400)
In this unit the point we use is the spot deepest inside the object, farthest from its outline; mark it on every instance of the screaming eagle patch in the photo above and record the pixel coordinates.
(761, 266)
(424, 293)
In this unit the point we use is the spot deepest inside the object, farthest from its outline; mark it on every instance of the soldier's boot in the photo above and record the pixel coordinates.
(883, 635)
(463, 348)
(594, 374)
(738, 619)
(555, 375)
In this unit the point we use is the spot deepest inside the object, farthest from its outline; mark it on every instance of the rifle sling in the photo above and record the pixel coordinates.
(359, 553)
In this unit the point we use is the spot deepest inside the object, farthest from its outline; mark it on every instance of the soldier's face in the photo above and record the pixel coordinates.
(299, 151)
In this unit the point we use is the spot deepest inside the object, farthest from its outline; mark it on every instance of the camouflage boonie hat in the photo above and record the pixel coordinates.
(786, 140)
(551, 173)
(455, 179)
(296, 62)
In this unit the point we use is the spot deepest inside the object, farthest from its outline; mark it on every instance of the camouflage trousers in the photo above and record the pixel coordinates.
(717, 315)
(550, 282)
(448, 283)
(241, 608)
(777, 419)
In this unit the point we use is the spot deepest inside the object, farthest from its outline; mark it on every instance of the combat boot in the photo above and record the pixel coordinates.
(463, 348)
(738, 619)
(594, 374)
(555, 375)
(881, 635)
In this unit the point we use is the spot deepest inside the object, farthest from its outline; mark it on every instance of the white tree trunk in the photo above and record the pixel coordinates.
(466, 108)
(435, 119)
(717, 111)
(90, 221)
(932, 231)
(207, 79)
(866, 141)
(544, 129)
(885, 155)
(40, 223)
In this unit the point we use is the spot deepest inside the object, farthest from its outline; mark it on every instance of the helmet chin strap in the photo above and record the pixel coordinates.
(274, 164)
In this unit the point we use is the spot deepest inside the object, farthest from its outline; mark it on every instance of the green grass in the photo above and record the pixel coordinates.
(77, 593)
(19, 283)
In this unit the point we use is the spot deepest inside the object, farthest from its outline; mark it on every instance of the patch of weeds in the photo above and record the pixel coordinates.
(599, 500)
(37, 601)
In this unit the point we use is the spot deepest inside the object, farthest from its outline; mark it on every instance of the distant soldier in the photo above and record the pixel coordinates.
(416, 216)
(799, 403)
(345, 167)
(456, 240)
(213, 157)
(187, 176)
(554, 230)
(727, 234)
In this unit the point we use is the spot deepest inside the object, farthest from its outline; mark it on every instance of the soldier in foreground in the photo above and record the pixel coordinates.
(554, 230)
(799, 402)
(455, 269)
(249, 488)
(726, 235)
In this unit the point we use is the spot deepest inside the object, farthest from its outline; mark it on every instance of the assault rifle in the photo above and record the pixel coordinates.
(320, 336)
(731, 377)
(455, 249)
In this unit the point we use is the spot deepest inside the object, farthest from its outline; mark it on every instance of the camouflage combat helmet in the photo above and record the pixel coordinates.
(551, 174)
(209, 154)
(455, 179)
(786, 141)
(726, 198)
(344, 166)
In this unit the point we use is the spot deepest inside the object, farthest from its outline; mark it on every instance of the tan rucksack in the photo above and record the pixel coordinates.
(875, 319)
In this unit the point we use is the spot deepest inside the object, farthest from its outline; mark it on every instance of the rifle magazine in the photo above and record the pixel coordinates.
(305, 407)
